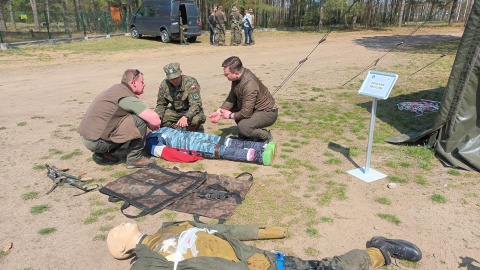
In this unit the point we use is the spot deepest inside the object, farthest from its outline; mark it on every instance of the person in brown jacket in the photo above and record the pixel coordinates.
(118, 116)
(249, 102)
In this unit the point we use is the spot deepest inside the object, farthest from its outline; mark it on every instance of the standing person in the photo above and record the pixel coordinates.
(235, 24)
(117, 116)
(179, 103)
(253, 26)
(220, 19)
(247, 26)
(212, 25)
(183, 27)
(249, 102)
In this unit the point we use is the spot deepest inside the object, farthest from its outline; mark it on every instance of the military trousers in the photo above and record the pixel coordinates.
(220, 35)
(171, 117)
(135, 147)
(252, 127)
(353, 260)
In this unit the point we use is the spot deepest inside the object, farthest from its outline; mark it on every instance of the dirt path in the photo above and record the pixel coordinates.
(43, 102)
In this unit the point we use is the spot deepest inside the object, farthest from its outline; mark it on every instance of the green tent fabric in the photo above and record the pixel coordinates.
(456, 132)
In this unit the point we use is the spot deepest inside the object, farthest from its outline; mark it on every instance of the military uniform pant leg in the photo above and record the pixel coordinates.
(353, 260)
(252, 127)
(137, 146)
(101, 146)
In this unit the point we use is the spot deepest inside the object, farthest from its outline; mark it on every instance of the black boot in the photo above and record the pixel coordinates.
(395, 248)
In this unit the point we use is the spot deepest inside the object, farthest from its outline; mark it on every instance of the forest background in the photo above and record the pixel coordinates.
(17, 16)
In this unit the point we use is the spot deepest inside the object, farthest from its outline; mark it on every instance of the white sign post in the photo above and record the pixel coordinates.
(377, 85)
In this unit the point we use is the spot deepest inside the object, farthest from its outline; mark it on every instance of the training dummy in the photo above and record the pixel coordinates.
(160, 144)
(219, 247)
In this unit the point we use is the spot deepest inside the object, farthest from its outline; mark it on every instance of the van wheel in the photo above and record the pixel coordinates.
(134, 33)
(164, 36)
(192, 39)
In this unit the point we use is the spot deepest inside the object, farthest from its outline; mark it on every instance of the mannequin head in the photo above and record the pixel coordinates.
(122, 239)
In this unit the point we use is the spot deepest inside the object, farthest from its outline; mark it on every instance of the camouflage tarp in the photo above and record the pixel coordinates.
(155, 188)
(214, 208)
(152, 189)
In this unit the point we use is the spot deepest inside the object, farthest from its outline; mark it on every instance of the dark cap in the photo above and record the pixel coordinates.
(172, 70)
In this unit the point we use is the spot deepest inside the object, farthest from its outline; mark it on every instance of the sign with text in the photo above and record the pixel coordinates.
(378, 84)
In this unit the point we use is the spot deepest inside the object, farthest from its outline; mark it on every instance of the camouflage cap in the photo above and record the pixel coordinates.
(250, 10)
(172, 70)
(234, 8)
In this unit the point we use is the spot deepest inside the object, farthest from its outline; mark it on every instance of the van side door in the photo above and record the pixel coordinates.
(150, 21)
(175, 17)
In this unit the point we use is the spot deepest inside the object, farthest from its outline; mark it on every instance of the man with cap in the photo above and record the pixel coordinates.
(253, 26)
(179, 104)
(235, 24)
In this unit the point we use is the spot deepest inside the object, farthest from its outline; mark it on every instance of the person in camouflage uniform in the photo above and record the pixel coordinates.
(219, 246)
(183, 27)
(221, 19)
(235, 24)
(179, 103)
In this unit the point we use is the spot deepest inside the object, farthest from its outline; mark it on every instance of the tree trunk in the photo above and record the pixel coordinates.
(64, 14)
(3, 23)
(33, 3)
(12, 17)
(320, 13)
(452, 12)
(47, 9)
(400, 15)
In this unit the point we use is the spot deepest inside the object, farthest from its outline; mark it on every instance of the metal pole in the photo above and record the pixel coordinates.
(370, 136)
(83, 24)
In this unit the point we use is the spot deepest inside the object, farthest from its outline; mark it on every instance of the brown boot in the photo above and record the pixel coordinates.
(141, 163)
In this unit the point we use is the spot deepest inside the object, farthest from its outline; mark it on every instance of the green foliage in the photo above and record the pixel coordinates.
(391, 218)
(46, 231)
(38, 209)
(383, 200)
(439, 198)
(30, 195)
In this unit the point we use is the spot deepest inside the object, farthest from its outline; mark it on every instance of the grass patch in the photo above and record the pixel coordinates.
(248, 168)
(54, 151)
(312, 232)
(383, 200)
(334, 191)
(310, 251)
(75, 152)
(38, 209)
(325, 219)
(100, 237)
(29, 195)
(439, 198)
(39, 166)
(2, 128)
(119, 174)
(391, 218)
(454, 172)
(46, 231)
(397, 179)
(21, 124)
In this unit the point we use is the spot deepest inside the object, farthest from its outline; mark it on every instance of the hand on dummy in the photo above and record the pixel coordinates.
(182, 122)
(153, 127)
(226, 114)
(215, 117)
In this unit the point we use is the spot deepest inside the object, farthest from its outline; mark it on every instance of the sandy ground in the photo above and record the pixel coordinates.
(52, 96)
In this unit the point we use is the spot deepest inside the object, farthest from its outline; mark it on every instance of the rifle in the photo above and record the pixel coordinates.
(210, 25)
(219, 23)
(60, 178)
